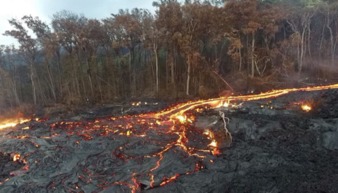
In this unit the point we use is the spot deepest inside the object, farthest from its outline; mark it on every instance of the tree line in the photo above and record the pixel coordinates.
(195, 48)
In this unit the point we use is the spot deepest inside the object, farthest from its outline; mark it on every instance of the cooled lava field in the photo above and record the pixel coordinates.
(280, 143)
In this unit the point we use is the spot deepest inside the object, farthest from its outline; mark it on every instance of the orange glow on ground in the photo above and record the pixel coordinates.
(181, 118)
(11, 122)
(16, 157)
(180, 109)
(306, 107)
(175, 123)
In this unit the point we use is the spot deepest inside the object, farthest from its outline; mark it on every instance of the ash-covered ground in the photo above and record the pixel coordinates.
(276, 147)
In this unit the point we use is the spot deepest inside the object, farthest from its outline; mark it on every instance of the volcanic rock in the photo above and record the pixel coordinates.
(276, 147)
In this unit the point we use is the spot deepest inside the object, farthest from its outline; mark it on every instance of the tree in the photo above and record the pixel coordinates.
(28, 47)
(169, 23)
(69, 29)
(151, 40)
(300, 22)
(44, 40)
(9, 89)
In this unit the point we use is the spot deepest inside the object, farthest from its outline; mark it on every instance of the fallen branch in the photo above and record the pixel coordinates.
(220, 77)
(225, 120)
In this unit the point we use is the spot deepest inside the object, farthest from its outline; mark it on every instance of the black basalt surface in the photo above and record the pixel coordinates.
(276, 147)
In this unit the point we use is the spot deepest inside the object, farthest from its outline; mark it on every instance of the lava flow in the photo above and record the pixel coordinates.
(11, 122)
(180, 109)
(149, 144)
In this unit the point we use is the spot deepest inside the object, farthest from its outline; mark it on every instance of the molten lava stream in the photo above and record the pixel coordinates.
(180, 109)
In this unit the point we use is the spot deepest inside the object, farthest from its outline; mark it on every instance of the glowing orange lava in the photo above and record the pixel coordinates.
(175, 123)
(225, 101)
(16, 157)
(11, 122)
(178, 112)
(306, 107)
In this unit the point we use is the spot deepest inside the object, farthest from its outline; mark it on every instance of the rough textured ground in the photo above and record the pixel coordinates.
(276, 147)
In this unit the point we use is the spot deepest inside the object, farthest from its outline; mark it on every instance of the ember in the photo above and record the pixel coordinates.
(16, 157)
(155, 151)
(306, 107)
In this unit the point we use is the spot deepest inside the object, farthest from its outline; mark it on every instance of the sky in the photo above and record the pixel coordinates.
(45, 9)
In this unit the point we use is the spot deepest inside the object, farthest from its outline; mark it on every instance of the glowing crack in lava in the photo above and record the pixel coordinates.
(148, 144)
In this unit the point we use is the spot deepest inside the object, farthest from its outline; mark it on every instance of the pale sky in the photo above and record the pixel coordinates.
(44, 9)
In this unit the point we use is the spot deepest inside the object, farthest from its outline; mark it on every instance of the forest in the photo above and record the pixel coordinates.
(184, 50)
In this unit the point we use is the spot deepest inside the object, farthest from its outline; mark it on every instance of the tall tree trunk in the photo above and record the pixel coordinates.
(130, 72)
(89, 75)
(109, 63)
(15, 92)
(298, 54)
(156, 68)
(40, 91)
(32, 77)
(172, 67)
(59, 75)
(253, 55)
(240, 59)
(331, 39)
(309, 42)
(188, 76)
(302, 49)
(76, 77)
(15, 87)
(51, 81)
(322, 37)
